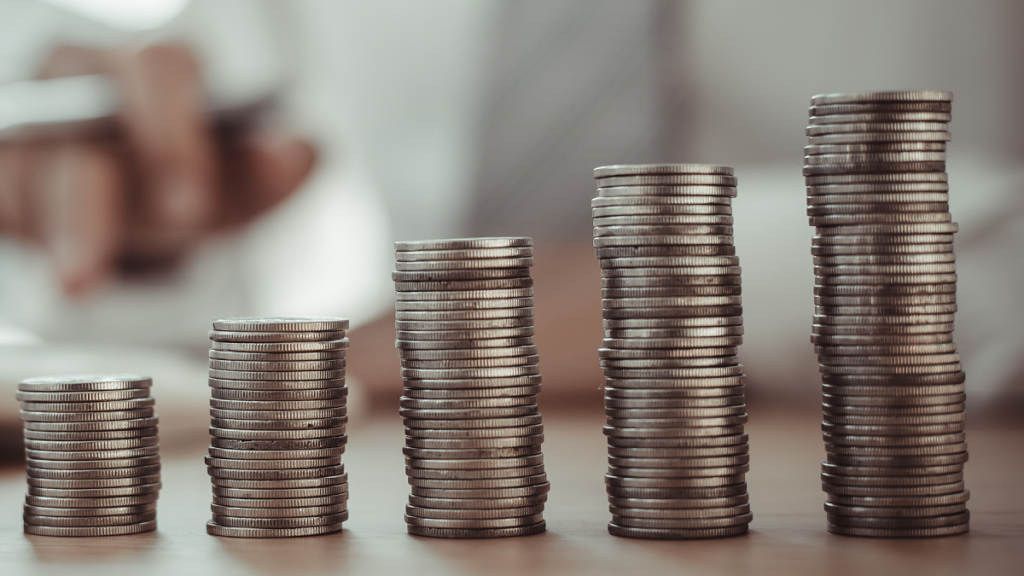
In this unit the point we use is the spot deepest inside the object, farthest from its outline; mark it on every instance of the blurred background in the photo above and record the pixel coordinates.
(165, 163)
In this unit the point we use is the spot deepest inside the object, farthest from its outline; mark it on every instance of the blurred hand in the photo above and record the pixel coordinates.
(146, 193)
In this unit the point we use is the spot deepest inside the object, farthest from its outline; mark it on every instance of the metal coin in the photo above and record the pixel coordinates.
(262, 406)
(675, 533)
(668, 180)
(680, 442)
(474, 524)
(277, 366)
(267, 504)
(613, 191)
(473, 393)
(464, 244)
(95, 473)
(899, 533)
(860, 107)
(75, 503)
(653, 392)
(521, 492)
(471, 426)
(676, 453)
(474, 443)
(281, 493)
(483, 478)
(92, 454)
(87, 397)
(94, 492)
(280, 523)
(479, 383)
(471, 454)
(279, 414)
(307, 512)
(116, 406)
(88, 521)
(281, 385)
(234, 532)
(274, 337)
(466, 403)
(881, 117)
(473, 513)
(446, 265)
(659, 169)
(88, 512)
(92, 464)
(464, 505)
(281, 347)
(477, 254)
(91, 532)
(448, 295)
(331, 429)
(85, 383)
(267, 464)
(463, 344)
(441, 285)
(90, 435)
(280, 484)
(882, 512)
(639, 354)
(477, 533)
(281, 324)
(460, 275)
(900, 523)
(288, 395)
(684, 523)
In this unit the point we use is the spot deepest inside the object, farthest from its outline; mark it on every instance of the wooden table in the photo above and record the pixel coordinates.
(787, 535)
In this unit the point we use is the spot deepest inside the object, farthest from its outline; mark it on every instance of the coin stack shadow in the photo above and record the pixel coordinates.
(464, 320)
(93, 455)
(674, 394)
(278, 418)
(885, 295)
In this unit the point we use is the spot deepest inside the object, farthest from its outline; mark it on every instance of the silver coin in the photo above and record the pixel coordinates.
(92, 483)
(613, 191)
(261, 406)
(446, 295)
(637, 354)
(876, 198)
(88, 521)
(280, 434)
(464, 244)
(612, 403)
(472, 254)
(281, 324)
(307, 512)
(618, 481)
(474, 274)
(276, 475)
(275, 464)
(663, 210)
(442, 432)
(477, 533)
(84, 397)
(672, 322)
(446, 265)
(280, 484)
(93, 474)
(267, 504)
(680, 442)
(677, 392)
(255, 385)
(85, 383)
(463, 315)
(473, 393)
(679, 513)
(659, 169)
(93, 426)
(468, 354)
(281, 347)
(876, 137)
(279, 414)
(39, 464)
(667, 363)
(696, 452)
(281, 493)
(474, 443)
(648, 413)
(236, 532)
(860, 107)
(475, 463)
(470, 373)
(515, 475)
(90, 435)
(463, 344)
(334, 392)
(474, 524)
(91, 531)
(678, 494)
(484, 324)
(873, 117)
(91, 445)
(474, 383)
(31, 416)
(485, 484)
(114, 406)
(91, 503)
(679, 523)
(485, 284)
(274, 337)
(78, 455)
(700, 179)
(473, 513)
(467, 504)
(671, 333)
(522, 492)
(87, 512)
(474, 424)
(471, 454)
(277, 366)
(276, 376)
(94, 492)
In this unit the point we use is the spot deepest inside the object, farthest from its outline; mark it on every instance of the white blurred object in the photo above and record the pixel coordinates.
(126, 14)
(59, 100)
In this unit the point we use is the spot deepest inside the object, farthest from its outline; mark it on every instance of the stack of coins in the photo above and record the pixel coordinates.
(472, 375)
(93, 455)
(885, 294)
(674, 395)
(278, 420)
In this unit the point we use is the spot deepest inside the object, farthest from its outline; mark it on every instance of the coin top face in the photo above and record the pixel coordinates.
(283, 324)
(653, 169)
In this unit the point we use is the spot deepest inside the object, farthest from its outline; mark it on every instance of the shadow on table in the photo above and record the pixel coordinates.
(131, 549)
(307, 555)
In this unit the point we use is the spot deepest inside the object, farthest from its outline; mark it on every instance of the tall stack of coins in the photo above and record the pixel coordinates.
(472, 375)
(674, 395)
(885, 294)
(278, 420)
(93, 455)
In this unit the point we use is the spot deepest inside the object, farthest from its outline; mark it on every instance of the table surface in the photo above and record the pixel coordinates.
(787, 535)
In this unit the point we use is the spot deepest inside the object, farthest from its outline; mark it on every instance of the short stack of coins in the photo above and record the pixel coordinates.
(885, 295)
(674, 394)
(93, 455)
(278, 417)
(464, 320)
